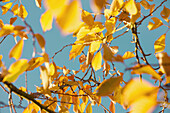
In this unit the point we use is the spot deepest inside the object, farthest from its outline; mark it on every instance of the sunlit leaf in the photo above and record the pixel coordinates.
(159, 44)
(145, 4)
(108, 55)
(35, 62)
(164, 62)
(145, 69)
(97, 5)
(41, 41)
(16, 69)
(6, 7)
(17, 50)
(130, 6)
(135, 97)
(89, 58)
(46, 20)
(44, 77)
(12, 20)
(165, 14)
(110, 25)
(15, 9)
(69, 20)
(97, 61)
(87, 18)
(128, 55)
(108, 86)
(152, 26)
(76, 50)
(38, 3)
(115, 7)
(89, 108)
(6, 30)
(82, 32)
(22, 12)
(1, 23)
(152, 7)
(112, 107)
(94, 46)
(137, 15)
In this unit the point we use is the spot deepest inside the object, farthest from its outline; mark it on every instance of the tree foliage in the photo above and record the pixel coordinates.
(64, 89)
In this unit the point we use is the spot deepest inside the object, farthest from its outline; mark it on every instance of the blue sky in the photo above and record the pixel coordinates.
(55, 41)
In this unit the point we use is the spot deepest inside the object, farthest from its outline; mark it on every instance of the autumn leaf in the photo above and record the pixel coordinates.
(165, 14)
(12, 20)
(145, 4)
(159, 44)
(110, 25)
(137, 15)
(128, 55)
(97, 61)
(145, 69)
(141, 98)
(35, 62)
(89, 108)
(108, 86)
(97, 5)
(76, 50)
(6, 7)
(112, 107)
(152, 26)
(130, 7)
(164, 62)
(94, 46)
(108, 55)
(38, 3)
(44, 77)
(70, 19)
(87, 18)
(41, 41)
(16, 69)
(46, 21)
(6, 30)
(22, 12)
(115, 7)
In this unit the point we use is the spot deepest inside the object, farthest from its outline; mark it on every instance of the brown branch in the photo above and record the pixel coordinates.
(4, 89)
(26, 96)
(3, 39)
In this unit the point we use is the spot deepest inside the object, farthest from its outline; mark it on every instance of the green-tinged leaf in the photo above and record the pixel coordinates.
(145, 69)
(97, 61)
(16, 69)
(159, 44)
(17, 50)
(108, 86)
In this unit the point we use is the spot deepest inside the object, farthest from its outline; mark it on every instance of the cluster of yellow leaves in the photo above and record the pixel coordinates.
(67, 15)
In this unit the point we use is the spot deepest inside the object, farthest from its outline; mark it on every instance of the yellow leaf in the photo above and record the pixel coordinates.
(110, 25)
(165, 14)
(35, 62)
(115, 7)
(108, 86)
(82, 107)
(112, 107)
(97, 27)
(145, 4)
(87, 18)
(6, 7)
(89, 58)
(159, 44)
(6, 30)
(152, 26)
(97, 5)
(16, 69)
(41, 41)
(76, 50)
(12, 20)
(128, 55)
(15, 9)
(108, 55)
(164, 61)
(130, 7)
(22, 12)
(46, 21)
(38, 3)
(69, 19)
(137, 91)
(1, 23)
(82, 32)
(107, 13)
(17, 50)
(89, 108)
(97, 61)
(145, 69)
(152, 8)
(137, 15)
(44, 77)
(94, 46)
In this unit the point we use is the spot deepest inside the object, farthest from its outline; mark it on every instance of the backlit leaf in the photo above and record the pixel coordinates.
(97, 61)
(165, 14)
(16, 69)
(12, 20)
(128, 55)
(145, 69)
(97, 5)
(137, 15)
(38, 3)
(6, 7)
(41, 41)
(112, 107)
(1, 23)
(145, 4)
(115, 7)
(89, 58)
(164, 61)
(89, 108)
(110, 25)
(94, 46)
(76, 50)
(108, 86)
(152, 26)
(6, 30)
(35, 62)
(44, 76)
(159, 44)
(130, 7)
(22, 12)
(15, 9)
(82, 32)
(17, 50)
(87, 18)
(136, 93)
(46, 21)
(69, 20)
(108, 55)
